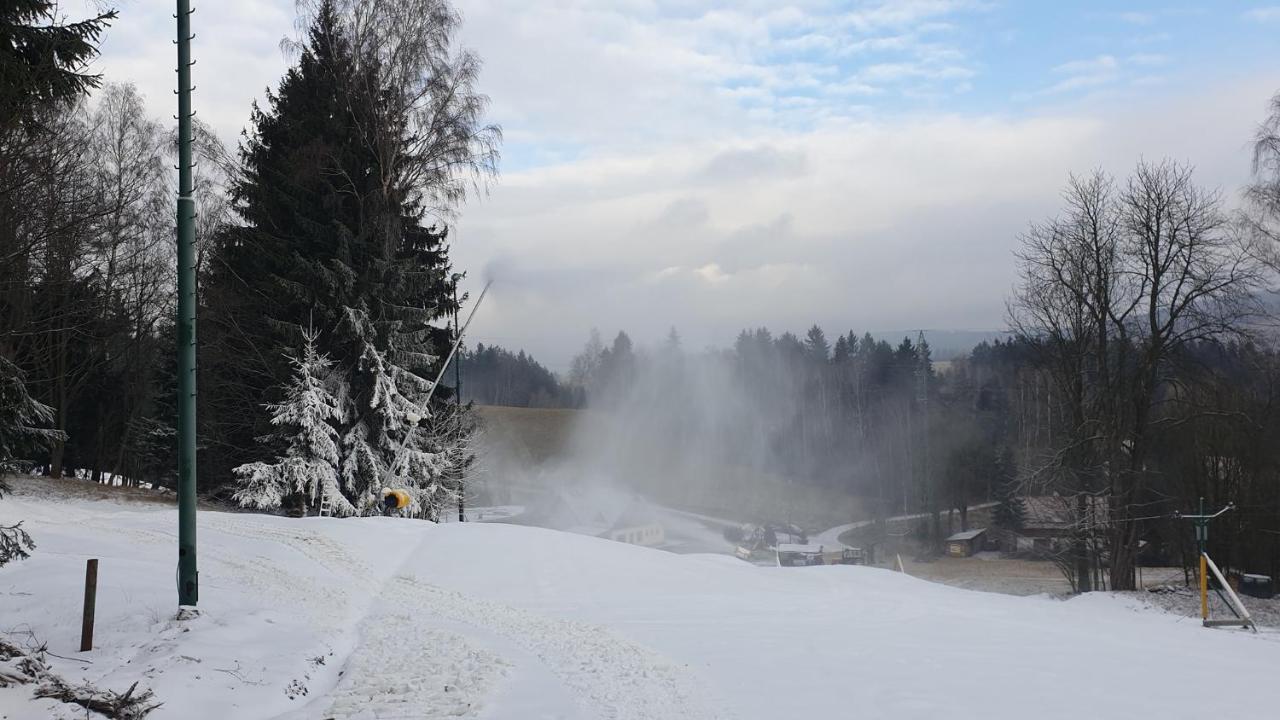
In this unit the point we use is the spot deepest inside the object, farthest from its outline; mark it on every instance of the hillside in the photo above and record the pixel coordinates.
(390, 618)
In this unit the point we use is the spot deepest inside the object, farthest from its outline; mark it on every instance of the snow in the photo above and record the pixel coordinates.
(391, 618)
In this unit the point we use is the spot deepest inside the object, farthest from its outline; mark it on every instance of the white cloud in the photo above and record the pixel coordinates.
(1137, 18)
(1100, 64)
(1148, 59)
(1084, 74)
(1268, 13)
(862, 225)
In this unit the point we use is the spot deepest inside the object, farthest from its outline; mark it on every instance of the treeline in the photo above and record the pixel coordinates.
(491, 375)
(323, 263)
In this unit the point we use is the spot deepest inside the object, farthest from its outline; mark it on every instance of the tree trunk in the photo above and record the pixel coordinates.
(1080, 548)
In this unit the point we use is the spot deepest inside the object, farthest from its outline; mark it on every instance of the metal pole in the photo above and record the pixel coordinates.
(1202, 532)
(188, 577)
(425, 402)
(457, 402)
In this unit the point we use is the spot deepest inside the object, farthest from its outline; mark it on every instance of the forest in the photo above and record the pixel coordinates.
(326, 291)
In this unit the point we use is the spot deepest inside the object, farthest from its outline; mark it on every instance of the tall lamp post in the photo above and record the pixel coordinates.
(188, 577)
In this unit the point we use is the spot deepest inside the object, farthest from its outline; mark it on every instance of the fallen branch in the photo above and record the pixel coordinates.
(107, 702)
(23, 666)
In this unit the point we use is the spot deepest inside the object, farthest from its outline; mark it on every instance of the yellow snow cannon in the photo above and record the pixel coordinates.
(395, 499)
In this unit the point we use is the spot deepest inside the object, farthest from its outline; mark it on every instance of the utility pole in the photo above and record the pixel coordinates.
(188, 577)
(457, 399)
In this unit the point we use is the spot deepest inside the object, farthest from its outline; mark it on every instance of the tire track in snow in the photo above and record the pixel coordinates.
(611, 677)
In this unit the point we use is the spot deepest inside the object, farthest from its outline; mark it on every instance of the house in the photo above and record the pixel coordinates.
(1049, 521)
(967, 543)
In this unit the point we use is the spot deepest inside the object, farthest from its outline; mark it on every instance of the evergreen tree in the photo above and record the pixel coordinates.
(816, 345)
(1011, 510)
(309, 467)
(843, 351)
(335, 233)
(22, 421)
(42, 60)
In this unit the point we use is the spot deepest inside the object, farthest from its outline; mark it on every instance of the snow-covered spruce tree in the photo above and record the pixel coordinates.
(392, 438)
(368, 143)
(308, 469)
(21, 421)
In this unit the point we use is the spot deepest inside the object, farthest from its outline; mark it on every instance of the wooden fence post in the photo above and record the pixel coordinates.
(90, 600)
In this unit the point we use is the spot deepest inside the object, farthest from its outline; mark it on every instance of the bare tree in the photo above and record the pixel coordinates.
(1262, 215)
(1111, 293)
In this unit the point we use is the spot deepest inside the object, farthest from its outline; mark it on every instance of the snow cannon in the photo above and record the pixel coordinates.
(395, 499)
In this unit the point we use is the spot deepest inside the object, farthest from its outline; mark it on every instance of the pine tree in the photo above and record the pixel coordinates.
(21, 429)
(816, 345)
(22, 420)
(308, 469)
(1010, 511)
(843, 350)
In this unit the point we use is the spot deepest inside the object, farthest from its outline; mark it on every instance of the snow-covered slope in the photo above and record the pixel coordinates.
(386, 618)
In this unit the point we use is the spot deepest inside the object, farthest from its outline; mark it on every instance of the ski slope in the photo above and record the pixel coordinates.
(388, 618)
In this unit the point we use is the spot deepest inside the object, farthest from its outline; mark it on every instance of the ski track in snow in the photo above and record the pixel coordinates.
(610, 677)
(404, 669)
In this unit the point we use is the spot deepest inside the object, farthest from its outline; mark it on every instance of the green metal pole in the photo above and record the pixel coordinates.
(1202, 529)
(188, 577)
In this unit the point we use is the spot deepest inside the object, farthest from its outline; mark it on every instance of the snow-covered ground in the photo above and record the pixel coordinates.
(390, 618)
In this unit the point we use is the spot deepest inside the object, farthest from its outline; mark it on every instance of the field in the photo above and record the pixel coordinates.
(529, 435)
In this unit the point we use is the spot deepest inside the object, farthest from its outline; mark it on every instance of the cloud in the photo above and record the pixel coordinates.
(1148, 59)
(1137, 18)
(1082, 74)
(1265, 14)
(750, 164)
(898, 223)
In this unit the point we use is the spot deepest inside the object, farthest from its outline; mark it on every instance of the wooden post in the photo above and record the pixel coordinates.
(90, 600)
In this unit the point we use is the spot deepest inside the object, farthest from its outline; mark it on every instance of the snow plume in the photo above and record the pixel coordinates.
(706, 432)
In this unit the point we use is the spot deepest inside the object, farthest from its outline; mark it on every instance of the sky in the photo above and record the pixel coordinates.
(865, 166)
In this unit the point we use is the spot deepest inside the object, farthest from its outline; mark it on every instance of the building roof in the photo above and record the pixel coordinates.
(1045, 512)
(967, 534)
(794, 548)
